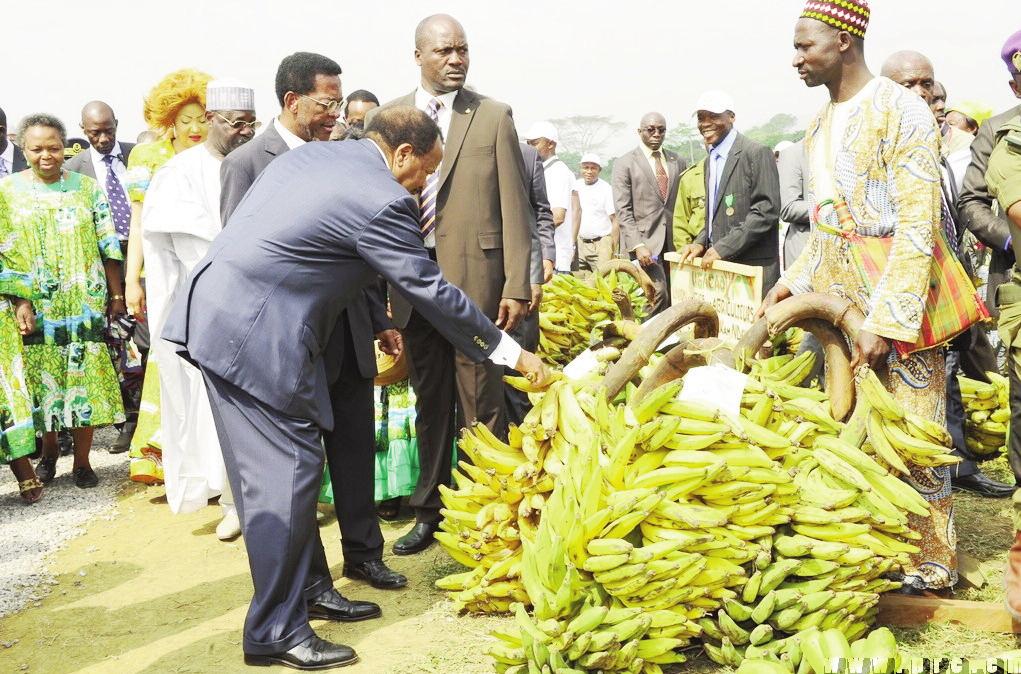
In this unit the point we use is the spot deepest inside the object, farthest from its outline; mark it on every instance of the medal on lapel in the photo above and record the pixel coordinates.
(729, 201)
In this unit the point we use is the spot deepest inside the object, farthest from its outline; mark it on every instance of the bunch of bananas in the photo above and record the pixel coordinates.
(987, 414)
(899, 437)
(573, 307)
(821, 652)
(788, 342)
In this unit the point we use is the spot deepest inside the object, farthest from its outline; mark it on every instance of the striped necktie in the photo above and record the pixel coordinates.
(427, 200)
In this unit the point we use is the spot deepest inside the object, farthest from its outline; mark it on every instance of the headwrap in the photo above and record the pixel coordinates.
(1011, 53)
(229, 94)
(849, 15)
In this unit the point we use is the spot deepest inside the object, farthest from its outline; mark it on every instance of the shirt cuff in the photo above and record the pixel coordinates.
(507, 352)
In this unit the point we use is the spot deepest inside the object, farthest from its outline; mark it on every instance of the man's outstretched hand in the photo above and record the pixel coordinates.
(777, 294)
(533, 368)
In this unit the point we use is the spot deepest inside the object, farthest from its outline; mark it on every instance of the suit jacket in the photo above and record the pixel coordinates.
(483, 218)
(18, 160)
(644, 218)
(543, 247)
(751, 235)
(975, 206)
(82, 162)
(367, 316)
(259, 308)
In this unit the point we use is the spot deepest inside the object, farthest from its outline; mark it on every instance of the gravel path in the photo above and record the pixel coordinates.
(30, 534)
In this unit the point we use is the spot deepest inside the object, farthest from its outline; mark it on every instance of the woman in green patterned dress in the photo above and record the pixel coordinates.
(17, 318)
(60, 226)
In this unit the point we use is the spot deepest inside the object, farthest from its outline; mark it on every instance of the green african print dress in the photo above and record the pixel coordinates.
(61, 234)
(17, 429)
(146, 447)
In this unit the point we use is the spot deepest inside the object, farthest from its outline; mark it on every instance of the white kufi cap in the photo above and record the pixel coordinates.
(229, 94)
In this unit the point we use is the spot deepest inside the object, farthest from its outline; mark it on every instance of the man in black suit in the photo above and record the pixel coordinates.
(308, 88)
(106, 162)
(742, 195)
(320, 224)
(12, 159)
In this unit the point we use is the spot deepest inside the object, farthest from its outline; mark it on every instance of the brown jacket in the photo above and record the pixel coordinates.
(483, 216)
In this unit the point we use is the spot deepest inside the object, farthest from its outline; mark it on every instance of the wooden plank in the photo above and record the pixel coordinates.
(906, 611)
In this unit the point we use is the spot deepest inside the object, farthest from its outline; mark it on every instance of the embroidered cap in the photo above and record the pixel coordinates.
(849, 15)
(229, 94)
(1011, 53)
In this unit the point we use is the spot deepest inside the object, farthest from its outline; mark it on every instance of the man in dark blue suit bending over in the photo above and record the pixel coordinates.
(318, 225)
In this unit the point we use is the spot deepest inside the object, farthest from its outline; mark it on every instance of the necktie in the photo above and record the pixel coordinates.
(3, 167)
(661, 178)
(427, 200)
(119, 207)
(714, 188)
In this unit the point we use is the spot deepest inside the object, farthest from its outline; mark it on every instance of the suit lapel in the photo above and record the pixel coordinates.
(465, 105)
(643, 166)
(275, 144)
(728, 172)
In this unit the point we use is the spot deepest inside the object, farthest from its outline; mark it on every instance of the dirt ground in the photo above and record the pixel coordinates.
(148, 591)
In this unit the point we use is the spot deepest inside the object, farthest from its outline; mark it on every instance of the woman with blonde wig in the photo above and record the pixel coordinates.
(175, 109)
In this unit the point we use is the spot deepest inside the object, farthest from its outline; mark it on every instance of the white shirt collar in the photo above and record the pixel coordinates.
(8, 157)
(290, 139)
(422, 98)
(379, 150)
(117, 152)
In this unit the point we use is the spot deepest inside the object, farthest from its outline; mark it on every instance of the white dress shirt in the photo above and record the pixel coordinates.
(507, 351)
(290, 139)
(119, 169)
(8, 157)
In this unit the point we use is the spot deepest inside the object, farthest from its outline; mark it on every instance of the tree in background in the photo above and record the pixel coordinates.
(686, 141)
(586, 133)
(782, 126)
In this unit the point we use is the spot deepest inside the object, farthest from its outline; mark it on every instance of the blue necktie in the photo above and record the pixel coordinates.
(714, 189)
(119, 207)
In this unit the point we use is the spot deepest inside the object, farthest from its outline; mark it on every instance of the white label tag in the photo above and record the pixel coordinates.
(583, 364)
(715, 385)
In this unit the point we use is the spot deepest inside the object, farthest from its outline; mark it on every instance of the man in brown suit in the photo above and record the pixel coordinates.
(645, 189)
(476, 221)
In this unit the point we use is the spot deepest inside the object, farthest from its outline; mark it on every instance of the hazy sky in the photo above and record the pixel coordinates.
(546, 59)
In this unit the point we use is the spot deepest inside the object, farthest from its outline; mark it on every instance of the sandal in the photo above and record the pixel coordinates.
(28, 486)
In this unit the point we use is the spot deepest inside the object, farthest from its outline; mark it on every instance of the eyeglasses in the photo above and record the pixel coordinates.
(239, 124)
(330, 106)
(654, 129)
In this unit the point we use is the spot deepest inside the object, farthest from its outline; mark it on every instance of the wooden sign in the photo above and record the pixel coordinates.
(734, 290)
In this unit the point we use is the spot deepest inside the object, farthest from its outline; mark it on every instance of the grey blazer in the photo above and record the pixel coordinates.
(644, 217)
(543, 247)
(975, 206)
(751, 234)
(367, 316)
(316, 227)
(795, 208)
(82, 162)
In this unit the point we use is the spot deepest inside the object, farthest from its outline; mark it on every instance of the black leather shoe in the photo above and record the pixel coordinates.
(377, 573)
(85, 478)
(123, 441)
(418, 539)
(312, 654)
(46, 469)
(981, 484)
(332, 605)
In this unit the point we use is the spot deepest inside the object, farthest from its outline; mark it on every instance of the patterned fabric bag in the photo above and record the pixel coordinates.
(952, 305)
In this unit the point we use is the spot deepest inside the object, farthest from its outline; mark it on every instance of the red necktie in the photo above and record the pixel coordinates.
(660, 175)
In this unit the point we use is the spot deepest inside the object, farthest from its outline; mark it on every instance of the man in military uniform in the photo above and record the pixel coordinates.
(1003, 178)
(689, 211)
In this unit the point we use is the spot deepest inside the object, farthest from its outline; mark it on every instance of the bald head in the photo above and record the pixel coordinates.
(100, 126)
(441, 52)
(913, 71)
(652, 130)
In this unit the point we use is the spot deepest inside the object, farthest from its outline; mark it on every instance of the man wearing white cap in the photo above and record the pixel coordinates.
(742, 195)
(181, 217)
(560, 190)
(595, 221)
